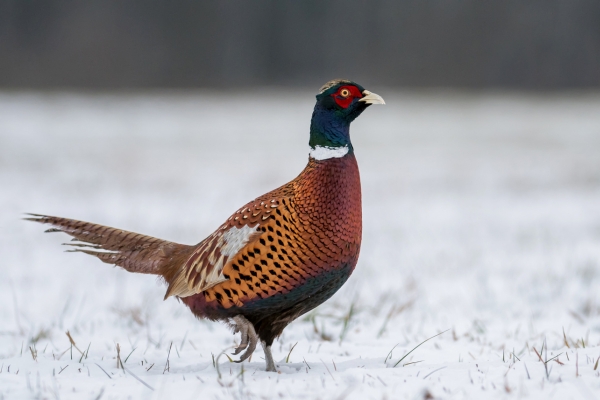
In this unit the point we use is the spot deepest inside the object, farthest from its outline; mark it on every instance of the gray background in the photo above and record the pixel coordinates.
(107, 44)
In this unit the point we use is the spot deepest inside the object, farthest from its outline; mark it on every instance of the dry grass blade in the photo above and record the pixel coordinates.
(565, 338)
(85, 353)
(127, 358)
(216, 361)
(434, 371)
(136, 377)
(109, 377)
(168, 364)
(327, 369)
(546, 362)
(73, 342)
(183, 340)
(119, 363)
(287, 359)
(100, 394)
(515, 356)
(414, 348)
(389, 355)
(346, 322)
(311, 368)
(538, 354)
(556, 356)
(394, 311)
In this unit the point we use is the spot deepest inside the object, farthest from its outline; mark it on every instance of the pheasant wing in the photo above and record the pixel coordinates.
(204, 268)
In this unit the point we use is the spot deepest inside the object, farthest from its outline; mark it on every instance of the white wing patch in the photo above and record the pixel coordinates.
(197, 276)
(324, 152)
(228, 245)
(235, 239)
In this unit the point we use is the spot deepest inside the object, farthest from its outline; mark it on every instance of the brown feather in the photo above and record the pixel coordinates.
(131, 251)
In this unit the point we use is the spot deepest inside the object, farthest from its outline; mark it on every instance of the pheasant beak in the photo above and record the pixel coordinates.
(371, 98)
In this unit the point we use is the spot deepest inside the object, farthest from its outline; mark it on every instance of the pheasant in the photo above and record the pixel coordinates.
(274, 259)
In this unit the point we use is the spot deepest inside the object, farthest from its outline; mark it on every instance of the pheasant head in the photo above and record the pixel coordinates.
(339, 102)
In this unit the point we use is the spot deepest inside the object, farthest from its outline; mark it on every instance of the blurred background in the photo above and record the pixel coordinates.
(480, 179)
(110, 44)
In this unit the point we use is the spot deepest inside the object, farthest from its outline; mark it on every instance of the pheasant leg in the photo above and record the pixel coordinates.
(249, 337)
(241, 325)
(268, 357)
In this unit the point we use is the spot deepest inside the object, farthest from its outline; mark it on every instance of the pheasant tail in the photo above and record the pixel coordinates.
(132, 251)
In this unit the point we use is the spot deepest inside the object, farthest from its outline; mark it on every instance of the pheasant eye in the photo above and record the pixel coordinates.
(346, 95)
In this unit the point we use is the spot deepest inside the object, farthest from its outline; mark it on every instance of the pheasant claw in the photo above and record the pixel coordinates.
(249, 337)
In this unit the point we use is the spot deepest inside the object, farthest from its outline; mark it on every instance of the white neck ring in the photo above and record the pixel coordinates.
(324, 152)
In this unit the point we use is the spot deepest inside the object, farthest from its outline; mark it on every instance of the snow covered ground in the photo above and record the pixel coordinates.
(481, 219)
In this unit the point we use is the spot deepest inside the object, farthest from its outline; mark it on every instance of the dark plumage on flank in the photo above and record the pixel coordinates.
(274, 259)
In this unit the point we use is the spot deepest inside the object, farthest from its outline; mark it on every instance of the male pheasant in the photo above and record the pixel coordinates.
(274, 259)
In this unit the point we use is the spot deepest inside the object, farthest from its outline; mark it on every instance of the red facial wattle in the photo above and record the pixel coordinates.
(345, 95)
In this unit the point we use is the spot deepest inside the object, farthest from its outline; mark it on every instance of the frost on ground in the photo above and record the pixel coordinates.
(481, 220)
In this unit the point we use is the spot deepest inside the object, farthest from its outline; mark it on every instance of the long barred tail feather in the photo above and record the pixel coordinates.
(131, 251)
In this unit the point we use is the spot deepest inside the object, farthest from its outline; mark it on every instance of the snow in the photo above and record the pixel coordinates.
(481, 219)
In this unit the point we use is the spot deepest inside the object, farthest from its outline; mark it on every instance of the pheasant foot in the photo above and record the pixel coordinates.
(248, 336)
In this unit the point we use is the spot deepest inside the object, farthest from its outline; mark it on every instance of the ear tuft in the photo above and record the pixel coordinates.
(333, 83)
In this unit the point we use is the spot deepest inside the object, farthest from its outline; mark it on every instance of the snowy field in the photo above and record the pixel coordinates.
(481, 219)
